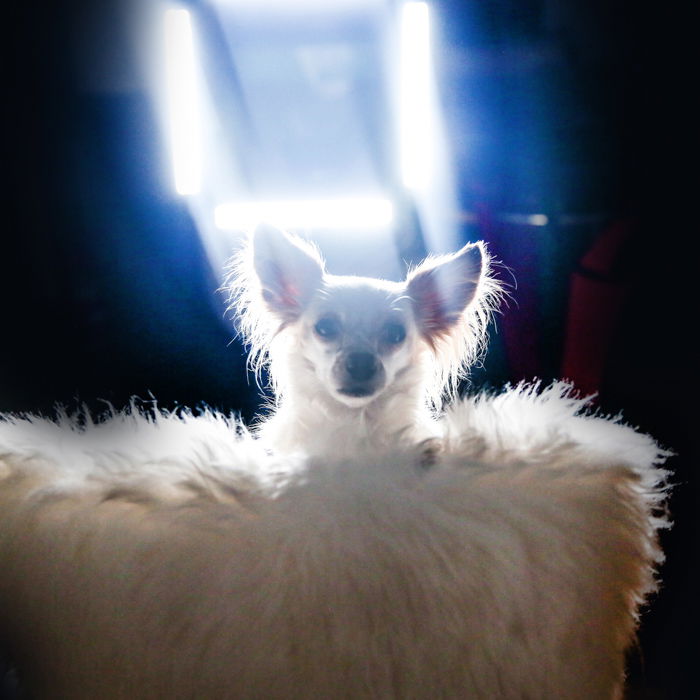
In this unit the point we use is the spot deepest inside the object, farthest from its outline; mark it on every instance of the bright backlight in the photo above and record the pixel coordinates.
(348, 213)
(183, 102)
(416, 123)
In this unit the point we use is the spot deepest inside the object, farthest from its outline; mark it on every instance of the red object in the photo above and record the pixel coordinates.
(594, 308)
(596, 299)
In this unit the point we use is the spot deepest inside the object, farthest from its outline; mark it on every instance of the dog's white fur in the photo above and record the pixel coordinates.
(280, 290)
(179, 556)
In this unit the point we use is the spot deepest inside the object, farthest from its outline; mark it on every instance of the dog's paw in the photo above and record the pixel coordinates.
(430, 450)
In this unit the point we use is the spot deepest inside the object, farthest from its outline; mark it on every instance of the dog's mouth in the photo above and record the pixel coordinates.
(356, 395)
(357, 391)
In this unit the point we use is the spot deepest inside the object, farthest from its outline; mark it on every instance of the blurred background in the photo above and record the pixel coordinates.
(144, 136)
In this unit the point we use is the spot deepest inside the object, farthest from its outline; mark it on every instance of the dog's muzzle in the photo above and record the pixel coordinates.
(359, 374)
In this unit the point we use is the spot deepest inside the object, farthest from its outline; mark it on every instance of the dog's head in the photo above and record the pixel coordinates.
(358, 337)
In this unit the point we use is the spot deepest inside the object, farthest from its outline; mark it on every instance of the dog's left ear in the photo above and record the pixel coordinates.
(289, 270)
(442, 288)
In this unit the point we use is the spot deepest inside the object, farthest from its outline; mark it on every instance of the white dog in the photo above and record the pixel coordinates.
(357, 361)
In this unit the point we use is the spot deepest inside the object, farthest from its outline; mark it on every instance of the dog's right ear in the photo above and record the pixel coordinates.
(289, 269)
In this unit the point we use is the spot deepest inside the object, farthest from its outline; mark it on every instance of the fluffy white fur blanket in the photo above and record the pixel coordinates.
(176, 558)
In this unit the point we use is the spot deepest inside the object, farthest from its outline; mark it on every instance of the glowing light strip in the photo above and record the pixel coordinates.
(357, 213)
(525, 219)
(183, 102)
(415, 98)
(469, 217)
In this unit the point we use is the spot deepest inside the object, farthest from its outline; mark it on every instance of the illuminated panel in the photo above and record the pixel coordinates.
(348, 213)
(299, 5)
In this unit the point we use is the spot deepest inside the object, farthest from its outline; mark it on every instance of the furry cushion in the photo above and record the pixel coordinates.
(175, 557)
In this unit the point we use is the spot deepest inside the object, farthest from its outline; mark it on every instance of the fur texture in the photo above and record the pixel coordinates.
(175, 557)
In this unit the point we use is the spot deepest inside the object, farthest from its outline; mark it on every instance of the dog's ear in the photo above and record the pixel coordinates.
(289, 271)
(442, 288)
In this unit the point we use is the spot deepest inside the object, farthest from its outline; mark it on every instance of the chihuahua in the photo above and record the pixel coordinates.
(355, 361)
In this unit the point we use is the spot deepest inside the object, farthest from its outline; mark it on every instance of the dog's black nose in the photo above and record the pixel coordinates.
(361, 366)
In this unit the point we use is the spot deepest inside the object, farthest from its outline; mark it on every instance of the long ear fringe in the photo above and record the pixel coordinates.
(246, 306)
(455, 351)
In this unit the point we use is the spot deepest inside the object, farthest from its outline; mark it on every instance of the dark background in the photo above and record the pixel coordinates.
(580, 109)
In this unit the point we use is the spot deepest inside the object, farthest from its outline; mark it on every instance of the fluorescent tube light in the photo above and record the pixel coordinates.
(183, 104)
(416, 119)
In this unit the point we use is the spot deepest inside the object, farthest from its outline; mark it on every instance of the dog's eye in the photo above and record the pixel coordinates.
(328, 328)
(393, 333)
